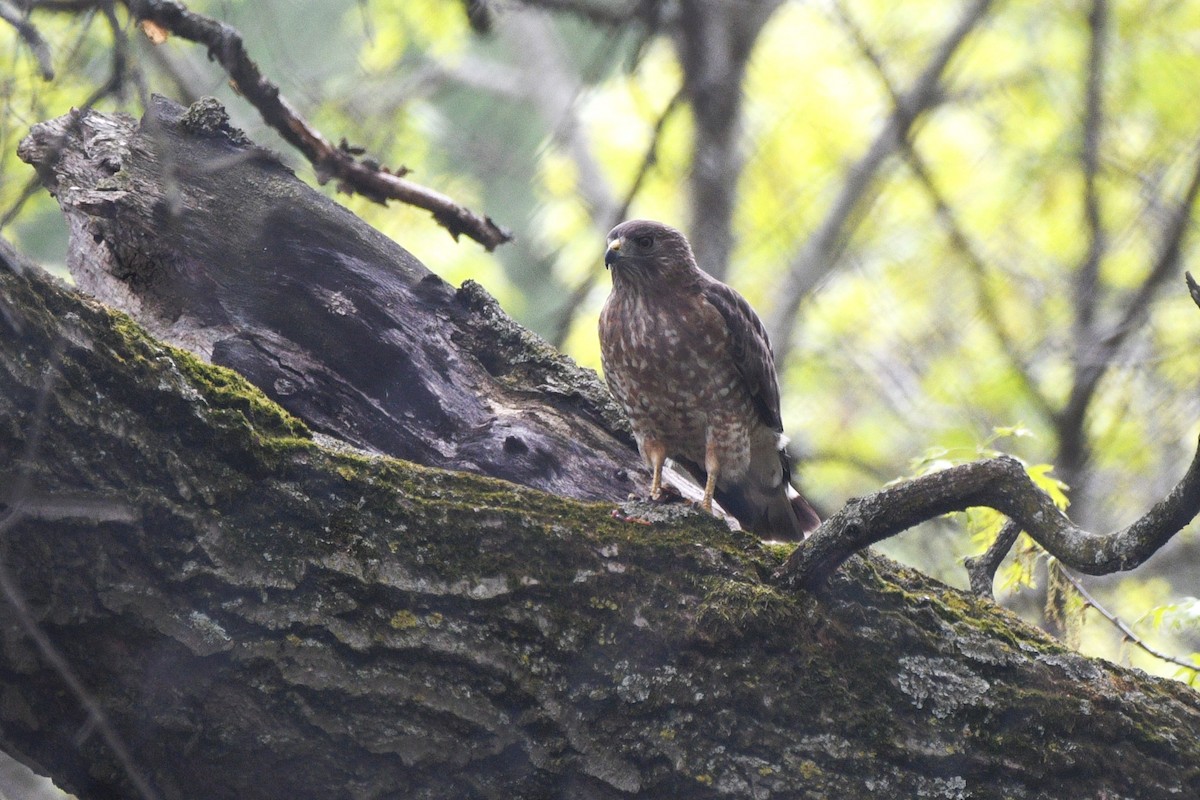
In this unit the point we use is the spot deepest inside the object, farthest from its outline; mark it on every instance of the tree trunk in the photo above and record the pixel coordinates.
(248, 612)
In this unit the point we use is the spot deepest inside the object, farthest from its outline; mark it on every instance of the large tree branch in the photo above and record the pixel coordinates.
(266, 618)
(818, 256)
(263, 616)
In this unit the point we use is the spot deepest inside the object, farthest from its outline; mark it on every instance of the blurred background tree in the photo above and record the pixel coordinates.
(964, 222)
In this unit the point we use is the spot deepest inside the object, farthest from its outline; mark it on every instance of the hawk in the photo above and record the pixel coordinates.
(690, 362)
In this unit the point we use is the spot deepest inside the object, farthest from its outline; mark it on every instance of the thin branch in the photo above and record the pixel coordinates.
(1088, 274)
(818, 256)
(1126, 631)
(950, 224)
(981, 569)
(566, 315)
(29, 34)
(361, 176)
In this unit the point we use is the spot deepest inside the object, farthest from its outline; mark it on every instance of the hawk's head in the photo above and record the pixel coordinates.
(643, 251)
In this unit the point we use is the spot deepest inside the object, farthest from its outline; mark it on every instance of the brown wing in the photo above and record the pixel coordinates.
(751, 350)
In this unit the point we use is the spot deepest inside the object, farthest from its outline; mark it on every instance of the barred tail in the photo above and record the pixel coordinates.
(805, 515)
(780, 512)
(764, 501)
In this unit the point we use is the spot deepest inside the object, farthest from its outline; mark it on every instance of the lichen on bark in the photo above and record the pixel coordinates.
(266, 617)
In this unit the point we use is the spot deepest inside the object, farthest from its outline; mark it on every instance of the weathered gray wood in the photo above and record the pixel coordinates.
(259, 617)
(214, 245)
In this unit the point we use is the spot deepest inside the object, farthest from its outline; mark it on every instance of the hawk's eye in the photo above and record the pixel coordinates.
(644, 242)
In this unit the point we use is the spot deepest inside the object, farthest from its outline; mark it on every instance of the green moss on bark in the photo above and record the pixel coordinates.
(339, 615)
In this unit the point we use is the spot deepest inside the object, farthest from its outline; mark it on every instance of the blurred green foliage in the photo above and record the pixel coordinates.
(544, 123)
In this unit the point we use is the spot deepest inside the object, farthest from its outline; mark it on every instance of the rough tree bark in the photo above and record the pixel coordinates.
(252, 613)
(216, 247)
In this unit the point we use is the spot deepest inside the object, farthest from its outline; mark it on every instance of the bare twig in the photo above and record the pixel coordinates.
(981, 569)
(361, 176)
(1126, 632)
(1087, 276)
(29, 34)
(818, 256)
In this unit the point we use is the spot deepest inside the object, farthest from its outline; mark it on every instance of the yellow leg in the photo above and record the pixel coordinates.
(656, 454)
(712, 466)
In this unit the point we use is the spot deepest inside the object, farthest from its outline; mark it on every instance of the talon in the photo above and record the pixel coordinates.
(667, 494)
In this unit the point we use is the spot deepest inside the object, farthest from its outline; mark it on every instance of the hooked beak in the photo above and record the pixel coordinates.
(613, 252)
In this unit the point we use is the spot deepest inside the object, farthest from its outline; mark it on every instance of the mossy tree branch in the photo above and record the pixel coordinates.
(254, 614)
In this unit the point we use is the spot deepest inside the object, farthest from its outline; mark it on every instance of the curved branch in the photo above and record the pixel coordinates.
(225, 45)
(1000, 483)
